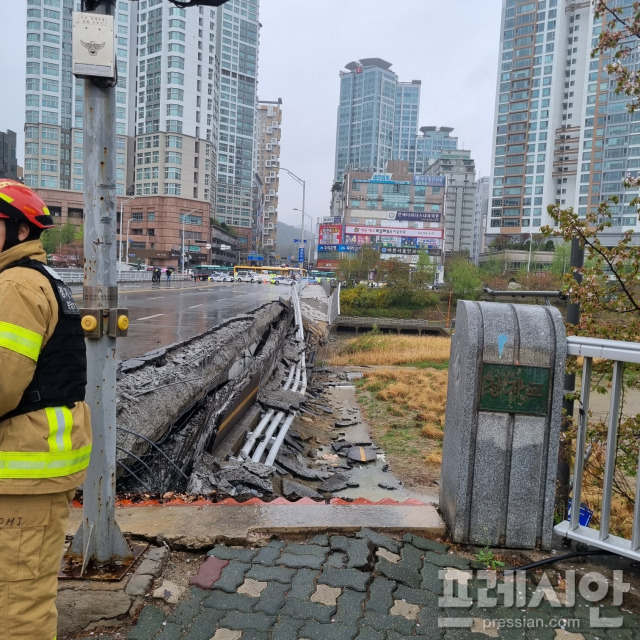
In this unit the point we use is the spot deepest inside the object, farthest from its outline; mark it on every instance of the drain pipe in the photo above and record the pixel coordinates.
(267, 436)
(275, 447)
(245, 452)
(287, 384)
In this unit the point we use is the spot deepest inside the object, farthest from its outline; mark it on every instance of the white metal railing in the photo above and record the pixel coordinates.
(77, 277)
(618, 352)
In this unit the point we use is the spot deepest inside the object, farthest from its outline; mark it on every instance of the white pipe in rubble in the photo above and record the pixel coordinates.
(287, 384)
(303, 389)
(297, 380)
(267, 436)
(275, 447)
(246, 450)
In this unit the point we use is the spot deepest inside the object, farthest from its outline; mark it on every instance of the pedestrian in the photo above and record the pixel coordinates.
(169, 272)
(45, 426)
(156, 275)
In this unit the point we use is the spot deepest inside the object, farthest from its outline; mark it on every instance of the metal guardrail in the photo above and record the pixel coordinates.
(77, 277)
(618, 352)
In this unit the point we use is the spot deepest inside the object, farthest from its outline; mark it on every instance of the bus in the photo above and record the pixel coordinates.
(322, 276)
(271, 271)
(203, 271)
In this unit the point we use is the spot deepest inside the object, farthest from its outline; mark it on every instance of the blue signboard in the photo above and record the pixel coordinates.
(348, 248)
(301, 254)
(298, 241)
(429, 181)
(327, 247)
(256, 258)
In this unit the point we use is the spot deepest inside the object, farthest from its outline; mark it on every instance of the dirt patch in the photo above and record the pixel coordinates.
(406, 416)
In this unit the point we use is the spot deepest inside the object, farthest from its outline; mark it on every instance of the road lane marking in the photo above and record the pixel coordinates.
(156, 298)
(149, 317)
(196, 305)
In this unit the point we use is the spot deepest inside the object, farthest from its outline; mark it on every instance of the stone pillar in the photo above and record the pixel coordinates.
(502, 425)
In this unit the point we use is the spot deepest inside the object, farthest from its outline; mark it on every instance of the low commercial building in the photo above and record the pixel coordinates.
(397, 213)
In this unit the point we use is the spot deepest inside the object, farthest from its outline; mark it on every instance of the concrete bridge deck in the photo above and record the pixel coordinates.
(398, 325)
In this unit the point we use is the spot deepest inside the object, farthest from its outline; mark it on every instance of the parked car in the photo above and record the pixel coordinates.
(262, 278)
(246, 276)
(283, 280)
(220, 277)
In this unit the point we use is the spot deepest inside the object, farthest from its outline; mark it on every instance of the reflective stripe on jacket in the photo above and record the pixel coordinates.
(46, 450)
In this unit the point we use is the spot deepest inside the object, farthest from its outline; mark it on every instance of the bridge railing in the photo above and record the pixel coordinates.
(76, 276)
(618, 353)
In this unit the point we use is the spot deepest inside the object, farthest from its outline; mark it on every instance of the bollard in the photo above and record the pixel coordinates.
(502, 424)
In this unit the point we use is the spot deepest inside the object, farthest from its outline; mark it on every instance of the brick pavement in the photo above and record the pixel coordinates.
(370, 586)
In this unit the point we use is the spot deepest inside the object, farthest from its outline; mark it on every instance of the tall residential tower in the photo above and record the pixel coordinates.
(562, 134)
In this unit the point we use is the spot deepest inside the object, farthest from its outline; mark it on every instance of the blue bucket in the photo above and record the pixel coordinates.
(584, 518)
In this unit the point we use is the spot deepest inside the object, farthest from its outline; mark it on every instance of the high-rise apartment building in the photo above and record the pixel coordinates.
(176, 100)
(8, 160)
(458, 168)
(185, 118)
(431, 144)
(562, 134)
(366, 116)
(54, 97)
(237, 48)
(407, 112)
(378, 122)
(480, 217)
(269, 127)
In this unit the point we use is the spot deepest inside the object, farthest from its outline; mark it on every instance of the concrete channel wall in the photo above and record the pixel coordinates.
(203, 376)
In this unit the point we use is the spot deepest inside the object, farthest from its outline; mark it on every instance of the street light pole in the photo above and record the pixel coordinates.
(301, 182)
(121, 218)
(128, 223)
(183, 219)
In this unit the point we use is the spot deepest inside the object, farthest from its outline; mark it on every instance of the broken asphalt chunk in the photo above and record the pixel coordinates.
(337, 482)
(362, 454)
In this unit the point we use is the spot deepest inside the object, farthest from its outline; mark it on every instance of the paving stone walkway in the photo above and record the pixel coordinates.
(373, 587)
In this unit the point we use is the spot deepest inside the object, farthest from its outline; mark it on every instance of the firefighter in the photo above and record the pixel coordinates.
(45, 426)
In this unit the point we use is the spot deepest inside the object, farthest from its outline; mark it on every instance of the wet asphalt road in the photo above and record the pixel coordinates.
(164, 314)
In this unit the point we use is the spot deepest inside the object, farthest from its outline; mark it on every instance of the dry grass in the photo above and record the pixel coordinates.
(406, 409)
(376, 349)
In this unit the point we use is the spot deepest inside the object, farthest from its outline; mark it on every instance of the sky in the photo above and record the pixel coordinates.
(450, 45)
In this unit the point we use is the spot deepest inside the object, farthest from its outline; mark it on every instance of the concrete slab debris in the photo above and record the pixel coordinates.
(290, 488)
(337, 482)
(362, 454)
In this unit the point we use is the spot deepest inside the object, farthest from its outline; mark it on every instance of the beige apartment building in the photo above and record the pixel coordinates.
(268, 168)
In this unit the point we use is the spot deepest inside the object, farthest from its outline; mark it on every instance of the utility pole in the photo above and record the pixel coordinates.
(573, 317)
(99, 540)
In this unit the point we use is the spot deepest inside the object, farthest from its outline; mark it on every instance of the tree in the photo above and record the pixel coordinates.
(561, 259)
(357, 266)
(426, 270)
(57, 237)
(464, 278)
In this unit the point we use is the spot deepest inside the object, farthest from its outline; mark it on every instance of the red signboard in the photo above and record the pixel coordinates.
(330, 234)
(326, 264)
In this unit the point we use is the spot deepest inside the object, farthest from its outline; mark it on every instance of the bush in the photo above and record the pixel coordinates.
(363, 298)
(424, 298)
